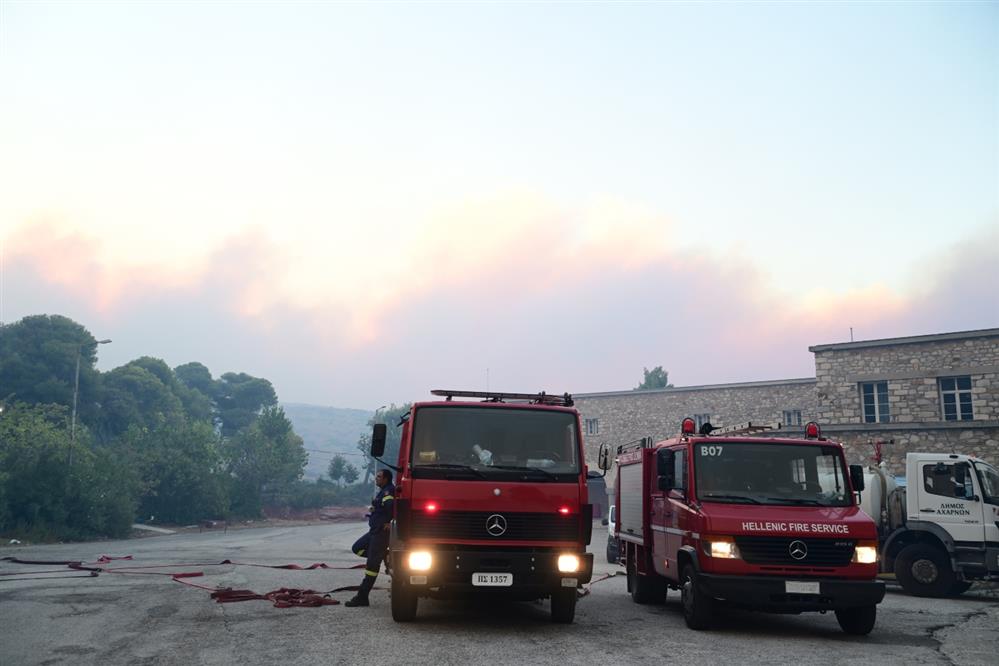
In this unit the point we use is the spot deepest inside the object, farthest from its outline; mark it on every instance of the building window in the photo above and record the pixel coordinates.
(701, 419)
(875, 398)
(792, 417)
(592, 426)
(955, 398)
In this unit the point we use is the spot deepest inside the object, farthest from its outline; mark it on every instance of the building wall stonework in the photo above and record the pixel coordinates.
(911, 367)
(982, 441)
(624, 416)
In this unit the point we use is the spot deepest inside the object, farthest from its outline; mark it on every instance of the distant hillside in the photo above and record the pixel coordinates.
(328, 430)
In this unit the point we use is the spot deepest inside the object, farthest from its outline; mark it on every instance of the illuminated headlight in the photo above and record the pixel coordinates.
(568, 563)
(420, 560)
(865, 553)
(723, 548)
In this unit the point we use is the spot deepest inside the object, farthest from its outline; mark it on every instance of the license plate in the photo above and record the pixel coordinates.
(492, 579)
(801, 587)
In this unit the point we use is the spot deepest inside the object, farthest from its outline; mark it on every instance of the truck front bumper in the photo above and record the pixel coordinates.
(534, 573)
(770, 593)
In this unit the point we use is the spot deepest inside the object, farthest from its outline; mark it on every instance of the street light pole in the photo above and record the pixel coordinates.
(76, 393)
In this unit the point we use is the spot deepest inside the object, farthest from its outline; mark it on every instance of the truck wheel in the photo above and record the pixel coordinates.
(564, 605)
(959, 588)
(924, 571)
(611, 553)
(650, 589)
(697, 606)
(404, 601)
(857, 621)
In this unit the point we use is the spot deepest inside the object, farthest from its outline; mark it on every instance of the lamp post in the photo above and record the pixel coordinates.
(76, 393)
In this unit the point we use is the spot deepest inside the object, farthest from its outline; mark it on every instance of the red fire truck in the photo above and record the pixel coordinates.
(760, 522)
(490, 499)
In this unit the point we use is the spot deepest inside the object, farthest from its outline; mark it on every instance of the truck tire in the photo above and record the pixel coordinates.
(649, 589)
(924, 570)
(697, 606)
(404, 601)
(959, 588)
(564, 605)
(857, 621)
(612, 553)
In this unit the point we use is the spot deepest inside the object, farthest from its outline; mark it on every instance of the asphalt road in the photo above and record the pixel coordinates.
(146, 619)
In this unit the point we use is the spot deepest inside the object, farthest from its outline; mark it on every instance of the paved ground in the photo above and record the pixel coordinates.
(121, 619)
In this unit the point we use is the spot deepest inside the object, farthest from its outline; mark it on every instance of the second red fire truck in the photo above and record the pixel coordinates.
(766, 523)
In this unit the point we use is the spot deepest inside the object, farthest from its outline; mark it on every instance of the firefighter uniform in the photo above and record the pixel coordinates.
(373, 545)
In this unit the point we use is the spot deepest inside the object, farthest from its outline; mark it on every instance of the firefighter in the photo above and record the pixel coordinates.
(374, 544)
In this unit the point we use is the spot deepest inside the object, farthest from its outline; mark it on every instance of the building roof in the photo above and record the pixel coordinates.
(912, 339)
(703, 387)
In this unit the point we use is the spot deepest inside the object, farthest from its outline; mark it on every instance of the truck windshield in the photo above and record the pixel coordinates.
(989, 478)
(495, 443)
(786, 474)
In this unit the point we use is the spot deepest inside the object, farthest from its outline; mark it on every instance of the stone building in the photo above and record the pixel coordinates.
(922, 393)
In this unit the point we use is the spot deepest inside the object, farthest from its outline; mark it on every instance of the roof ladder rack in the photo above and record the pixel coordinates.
(747, 428)
(542, 398)
(641, 443)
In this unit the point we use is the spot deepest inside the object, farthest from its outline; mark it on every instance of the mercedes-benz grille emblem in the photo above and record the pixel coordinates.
(798, 550)
(496, 525)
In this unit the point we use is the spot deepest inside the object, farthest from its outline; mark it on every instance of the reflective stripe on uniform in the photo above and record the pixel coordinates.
(360, 553)
(387, 498)
(369, 572)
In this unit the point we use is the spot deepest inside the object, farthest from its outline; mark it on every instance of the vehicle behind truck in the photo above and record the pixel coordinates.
(765, 523)
(939, 533)
(491, 500)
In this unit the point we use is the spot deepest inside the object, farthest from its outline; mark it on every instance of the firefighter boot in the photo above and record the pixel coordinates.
(361, 598)
(357, 600)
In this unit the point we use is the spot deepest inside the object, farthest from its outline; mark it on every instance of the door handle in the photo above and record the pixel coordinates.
(928, 510)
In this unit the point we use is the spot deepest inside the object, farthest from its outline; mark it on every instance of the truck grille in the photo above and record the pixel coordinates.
(777, 550)
(473, 525)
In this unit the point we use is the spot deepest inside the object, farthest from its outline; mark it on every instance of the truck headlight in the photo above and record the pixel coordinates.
(723, 548)
(568, 563)
(420, 560)
(866, 552)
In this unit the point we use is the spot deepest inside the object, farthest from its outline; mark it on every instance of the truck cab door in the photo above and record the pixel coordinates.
(988, 477)
(948, 495)
(677, 514)
(660, 521)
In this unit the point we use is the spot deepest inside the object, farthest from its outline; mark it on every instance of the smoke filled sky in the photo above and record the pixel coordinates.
(362, 202)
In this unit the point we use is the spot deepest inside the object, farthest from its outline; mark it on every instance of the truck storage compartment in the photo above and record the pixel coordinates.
(631, 513)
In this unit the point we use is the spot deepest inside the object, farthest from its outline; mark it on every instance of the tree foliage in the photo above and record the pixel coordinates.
(656, 378)
(265, 453)
(392, 418)
(42, 495)
(341, 470)
(176, 444)
(181, 471)
(240, 398)
(38, 362)
(135, 396)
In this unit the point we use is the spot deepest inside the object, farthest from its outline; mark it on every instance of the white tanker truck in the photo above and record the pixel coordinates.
(940, 531)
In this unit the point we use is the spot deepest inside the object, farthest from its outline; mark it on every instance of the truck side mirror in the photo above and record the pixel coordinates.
(857, 477)
(378, 440)
(605, 522)
(603, 458)
(666, 469)
(960, 475)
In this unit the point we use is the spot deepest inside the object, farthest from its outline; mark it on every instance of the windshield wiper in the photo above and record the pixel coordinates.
(451, 466)
(731, 497)
(518, 468)
(797, 500)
